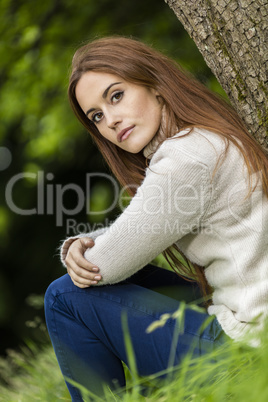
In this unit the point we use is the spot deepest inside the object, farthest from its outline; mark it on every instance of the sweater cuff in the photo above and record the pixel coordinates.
(64, 247)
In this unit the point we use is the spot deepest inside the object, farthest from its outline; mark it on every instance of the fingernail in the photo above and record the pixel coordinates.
(94, 283)
(98, 277)
(95, 269)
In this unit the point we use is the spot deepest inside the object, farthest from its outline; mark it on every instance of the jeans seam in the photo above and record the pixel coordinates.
(59, 348)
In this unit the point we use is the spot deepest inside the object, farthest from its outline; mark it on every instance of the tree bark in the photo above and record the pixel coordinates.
(232, 36)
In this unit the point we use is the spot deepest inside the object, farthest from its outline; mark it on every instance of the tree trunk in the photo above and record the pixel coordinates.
(233, 39)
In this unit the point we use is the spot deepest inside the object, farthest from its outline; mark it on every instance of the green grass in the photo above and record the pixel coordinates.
(32, 375)
(232, 373)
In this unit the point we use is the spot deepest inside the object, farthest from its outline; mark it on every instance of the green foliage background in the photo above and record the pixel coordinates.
(37, 41)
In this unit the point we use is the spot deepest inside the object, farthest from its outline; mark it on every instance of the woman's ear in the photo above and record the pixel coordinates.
(155, 92)
(157, 95)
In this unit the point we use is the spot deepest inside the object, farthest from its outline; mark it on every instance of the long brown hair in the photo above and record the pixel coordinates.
(187, 102)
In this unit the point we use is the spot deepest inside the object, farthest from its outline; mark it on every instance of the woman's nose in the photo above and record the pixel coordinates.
(112, 119)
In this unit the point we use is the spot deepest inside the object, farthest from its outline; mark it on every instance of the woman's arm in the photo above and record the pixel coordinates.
(171, 201)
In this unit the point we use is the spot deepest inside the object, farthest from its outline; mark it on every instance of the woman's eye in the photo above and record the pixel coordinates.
(97, 117)
(117, 96)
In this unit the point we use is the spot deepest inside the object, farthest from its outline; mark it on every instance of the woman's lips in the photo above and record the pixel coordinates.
(124, 134)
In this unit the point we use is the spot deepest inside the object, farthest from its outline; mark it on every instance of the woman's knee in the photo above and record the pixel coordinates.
(57, 287)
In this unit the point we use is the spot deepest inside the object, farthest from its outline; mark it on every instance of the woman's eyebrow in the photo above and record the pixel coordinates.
(107, 89)
(104, 95)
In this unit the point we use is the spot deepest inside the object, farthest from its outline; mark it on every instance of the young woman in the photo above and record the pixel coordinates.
(199, 183)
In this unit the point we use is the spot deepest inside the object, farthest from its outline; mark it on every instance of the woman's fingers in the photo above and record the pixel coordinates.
(82, 275)
(87, 242)
(76, 254)
(79, 284)
(75, 258)
(82, 267)
(81, 271)
(80, 281)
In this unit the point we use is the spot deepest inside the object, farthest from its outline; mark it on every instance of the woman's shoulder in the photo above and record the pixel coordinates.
(198, 144)
(198, 141)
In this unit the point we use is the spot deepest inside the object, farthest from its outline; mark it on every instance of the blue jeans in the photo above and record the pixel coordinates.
(86, 331)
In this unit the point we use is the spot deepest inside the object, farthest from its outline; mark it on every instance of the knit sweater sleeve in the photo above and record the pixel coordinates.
(170, 202)
(64, 246)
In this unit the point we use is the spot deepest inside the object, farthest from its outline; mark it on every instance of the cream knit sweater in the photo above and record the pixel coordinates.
(184, 200)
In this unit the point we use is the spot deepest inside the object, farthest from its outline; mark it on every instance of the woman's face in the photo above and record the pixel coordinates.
(126, 114)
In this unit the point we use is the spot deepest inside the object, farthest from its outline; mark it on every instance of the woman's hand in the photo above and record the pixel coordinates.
(82, 272)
